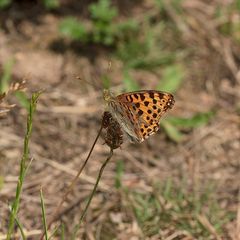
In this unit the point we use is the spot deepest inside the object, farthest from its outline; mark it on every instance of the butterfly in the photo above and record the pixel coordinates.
(139, 112)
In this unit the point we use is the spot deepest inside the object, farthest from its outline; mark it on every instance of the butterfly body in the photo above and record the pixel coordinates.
(139, 112)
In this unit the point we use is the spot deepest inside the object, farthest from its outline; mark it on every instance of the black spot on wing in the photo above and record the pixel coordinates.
(160, 95)
(130, 98)
(140, 112)
(146, 103)
(149, 111)
(142, 97)
(136, 96)
(151, 95)
(137, 105)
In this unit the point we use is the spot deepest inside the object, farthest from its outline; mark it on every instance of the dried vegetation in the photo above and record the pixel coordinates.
(159, 189)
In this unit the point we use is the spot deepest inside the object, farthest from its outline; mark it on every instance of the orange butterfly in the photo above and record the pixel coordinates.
(139, 113)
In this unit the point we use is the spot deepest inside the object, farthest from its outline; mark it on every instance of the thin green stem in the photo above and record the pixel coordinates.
(23, 165)
(92, 194)
(21, 229)
(43, 215)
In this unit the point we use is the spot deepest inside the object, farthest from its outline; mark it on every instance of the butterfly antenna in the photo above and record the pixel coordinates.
(96, 84)
(87, 82)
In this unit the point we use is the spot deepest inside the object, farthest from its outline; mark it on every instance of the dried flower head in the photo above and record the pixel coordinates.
(114, 134)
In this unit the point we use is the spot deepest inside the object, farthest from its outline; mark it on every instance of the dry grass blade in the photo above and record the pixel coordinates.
(4, 108)
(205, 222)
(28, 234)
(17, 86)
(14, 87)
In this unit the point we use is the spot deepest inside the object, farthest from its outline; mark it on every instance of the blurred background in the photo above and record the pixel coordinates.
(181, 183)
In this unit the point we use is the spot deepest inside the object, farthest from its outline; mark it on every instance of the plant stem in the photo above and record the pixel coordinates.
(92, 194)
(23, 165)
(71, 186)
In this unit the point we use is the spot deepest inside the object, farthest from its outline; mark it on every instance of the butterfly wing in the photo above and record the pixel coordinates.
(126, 118)
(144, 110)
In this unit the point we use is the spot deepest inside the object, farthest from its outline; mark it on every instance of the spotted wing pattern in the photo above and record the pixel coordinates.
(139, 112)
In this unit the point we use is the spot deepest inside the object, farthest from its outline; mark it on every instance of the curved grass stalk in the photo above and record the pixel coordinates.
(76, 228)
(73, 183)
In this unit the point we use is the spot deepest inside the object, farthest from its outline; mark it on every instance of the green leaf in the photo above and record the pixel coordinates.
(5, 3)
(172, 132)
(102, 11)
(73, 29)
(238, 5)
(197, 120)
(131, 25)
(51, 4)
(171, 79)
(104, 33)
(129, 83)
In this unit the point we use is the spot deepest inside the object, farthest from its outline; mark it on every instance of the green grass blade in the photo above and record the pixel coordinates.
(21, 229)
(23, 165)
(22, 98)
(62, 233)
(197, 120)
(43, 215)
(172, 132)
(54, 233)
(171, 79)
(6, 77)
(119, 173)
(129, 83)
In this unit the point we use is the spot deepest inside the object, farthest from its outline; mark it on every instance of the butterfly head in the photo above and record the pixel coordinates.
(107, 95)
